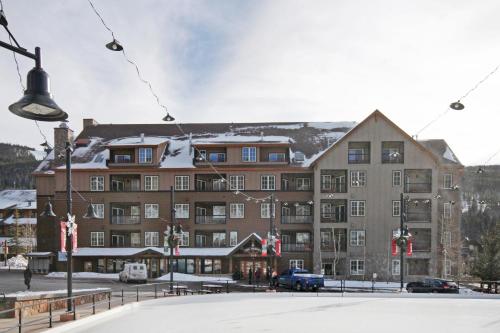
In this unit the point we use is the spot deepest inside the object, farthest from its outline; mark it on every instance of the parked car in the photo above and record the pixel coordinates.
(432, 286)
(300, 279)
(134, 272)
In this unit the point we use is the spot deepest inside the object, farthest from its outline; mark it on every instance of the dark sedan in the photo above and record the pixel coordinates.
(432, 286)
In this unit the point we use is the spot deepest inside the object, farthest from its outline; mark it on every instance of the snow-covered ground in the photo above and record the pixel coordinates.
(195, 278)
(362, 284)
(84, 275)
(61, 292)
(301, 312)
(17, 262)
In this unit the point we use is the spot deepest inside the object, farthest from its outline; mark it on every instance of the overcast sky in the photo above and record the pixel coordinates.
(248, 61)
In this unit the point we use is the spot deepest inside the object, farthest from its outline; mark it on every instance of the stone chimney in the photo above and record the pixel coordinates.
(62, 134)
(89, 122)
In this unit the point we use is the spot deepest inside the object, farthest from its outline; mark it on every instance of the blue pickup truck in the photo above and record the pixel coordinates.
(300, 279)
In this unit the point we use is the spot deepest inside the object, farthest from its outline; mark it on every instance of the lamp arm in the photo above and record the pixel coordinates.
(36, 56)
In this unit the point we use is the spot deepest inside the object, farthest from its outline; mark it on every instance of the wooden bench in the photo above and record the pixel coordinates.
(204, 291)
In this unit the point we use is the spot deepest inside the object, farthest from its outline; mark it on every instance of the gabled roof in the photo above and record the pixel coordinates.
(375, 114)
(18, 199)
(442, 151)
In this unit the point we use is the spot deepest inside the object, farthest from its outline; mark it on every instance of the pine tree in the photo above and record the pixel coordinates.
(487, 262)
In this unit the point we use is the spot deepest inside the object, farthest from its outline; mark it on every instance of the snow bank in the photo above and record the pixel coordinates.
(60, 292)
(84, 275)
(17, 262)
(362, 284)
(194, 278)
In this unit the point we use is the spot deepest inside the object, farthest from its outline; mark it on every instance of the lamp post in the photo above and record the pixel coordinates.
(172, 237)
(404, 235)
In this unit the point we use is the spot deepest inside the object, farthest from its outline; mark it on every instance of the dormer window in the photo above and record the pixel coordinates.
(249, 154)
(299, 156)
(277, 157)
(145, 155)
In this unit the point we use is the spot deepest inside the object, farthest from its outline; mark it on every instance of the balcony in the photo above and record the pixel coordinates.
(210, 183)
(333, 181)
(418, 181)
(358, 153)
(273, 155)
(333, 211)
(210, 219)
(419, 211)
(296, 182)
(421, 240)
(297, 219)
(125, 183)
(296, 247)
(212, 155)
(393, 152)
(333, 241)
(126, 219)
(122, 156)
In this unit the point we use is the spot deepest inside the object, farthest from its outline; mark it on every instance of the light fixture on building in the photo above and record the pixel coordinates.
(168, 117)
(47, 211)
(114, 45)
(90, 214)
(480, 170)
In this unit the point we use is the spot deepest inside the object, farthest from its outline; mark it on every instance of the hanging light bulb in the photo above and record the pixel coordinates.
(47, 211)
(480, 170)
(114, 45)
(90, 214)
(457, 105)
(168, 117)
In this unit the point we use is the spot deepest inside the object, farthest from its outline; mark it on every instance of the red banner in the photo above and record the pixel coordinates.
(63, 236)
(278, 247)
(264, 247)
(177, 252)
(75, 237)
(394, 247)
(409, 247)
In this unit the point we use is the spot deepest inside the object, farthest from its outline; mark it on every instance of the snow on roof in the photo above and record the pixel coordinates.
(448, 154)
(21, 220)
(137, 141)
(332, 125)
(178, 155)
(237, 138)
(18, 199)
(38, 154)
(45, 164)
(39, 254)
(113, 251)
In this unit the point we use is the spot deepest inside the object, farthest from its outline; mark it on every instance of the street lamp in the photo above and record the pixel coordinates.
(172, 237)
(403, 237)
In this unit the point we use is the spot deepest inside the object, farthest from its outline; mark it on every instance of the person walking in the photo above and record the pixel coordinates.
(27, 277)
(250, 273)
(257, 276)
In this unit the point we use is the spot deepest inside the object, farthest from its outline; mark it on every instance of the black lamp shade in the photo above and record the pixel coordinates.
(457, 105)
(37, 102)
(168, 117)
(47, 211)
(114, 45)
(90, 213)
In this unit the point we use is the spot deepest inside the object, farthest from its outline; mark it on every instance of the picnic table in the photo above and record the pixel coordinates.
(215, 288)
(178, 289)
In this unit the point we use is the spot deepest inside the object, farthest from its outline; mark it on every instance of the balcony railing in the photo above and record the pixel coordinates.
(333, 218)
(210, 219)
(391, 157)
(357, 158)
(296, 219)
(210, 186)
(296, 247)
(126, 219)
(418, 187)
(419, 216)
(334, 187)
(330, 247)
(118, 187)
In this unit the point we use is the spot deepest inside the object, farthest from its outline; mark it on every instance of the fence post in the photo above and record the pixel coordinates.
(137, 294)
(109, 300)
(50, 315)
(155, 292)
(93, 304)
(74, 308)
(227, 287)
(122, 296)
(20, 318)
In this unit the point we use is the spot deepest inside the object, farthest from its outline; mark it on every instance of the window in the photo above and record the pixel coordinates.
(396, 208)
(135, 239)
(97, 183)
(237, 210)
(151, 183)
(233, 238)
(98, 210)
(145, 155)
(219, 239)
(303, 237)
(326, 182)
(358, 208)
(264, 210)
(447, 210)
(249, 154)
(303, 210)
(202, 155)
(296, 263)
(326, 210)
(237, 183)
(182, 183)
(201, 240)
(151, 211)
(357, 238)
(357, 267)
(358, 152)
(303, 184)
(447, 238)
(299, 156)
(181, 211)
(447, 267)
(217, 157)
(396, 178)
(277, 157)
(396, 267)
(268, 182)
(358, 178)
(392, 152)
(97, 238)
(184, 239)
(448, 181)
(151, 238)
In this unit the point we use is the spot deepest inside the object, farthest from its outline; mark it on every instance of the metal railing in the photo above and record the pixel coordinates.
(296, 219)
(210, 219)
(296, 247)
(126, 219)
(333, 218)
(424, 187)
(209, 186)
(331, 187)
(355, 158)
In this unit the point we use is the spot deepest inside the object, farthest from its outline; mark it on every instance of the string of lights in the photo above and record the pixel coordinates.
(116, 46)
(458, 104)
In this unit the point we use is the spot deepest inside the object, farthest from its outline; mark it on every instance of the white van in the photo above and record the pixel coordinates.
(134, 272)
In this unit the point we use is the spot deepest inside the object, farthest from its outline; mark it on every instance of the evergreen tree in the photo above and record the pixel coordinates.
(487, 263)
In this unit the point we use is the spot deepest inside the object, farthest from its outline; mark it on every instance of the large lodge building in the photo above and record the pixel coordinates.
(336, 190)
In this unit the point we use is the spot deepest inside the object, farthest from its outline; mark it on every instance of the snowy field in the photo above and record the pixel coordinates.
(300, 312)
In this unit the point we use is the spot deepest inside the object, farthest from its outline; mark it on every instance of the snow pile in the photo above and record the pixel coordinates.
(362, 284)
(85, 275)
(60, 292)
(17, 262)
(195, 278)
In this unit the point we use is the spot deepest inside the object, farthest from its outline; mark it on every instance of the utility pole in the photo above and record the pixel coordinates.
(270, 245)
(171, 239)
(69, 228)
(402, 215)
